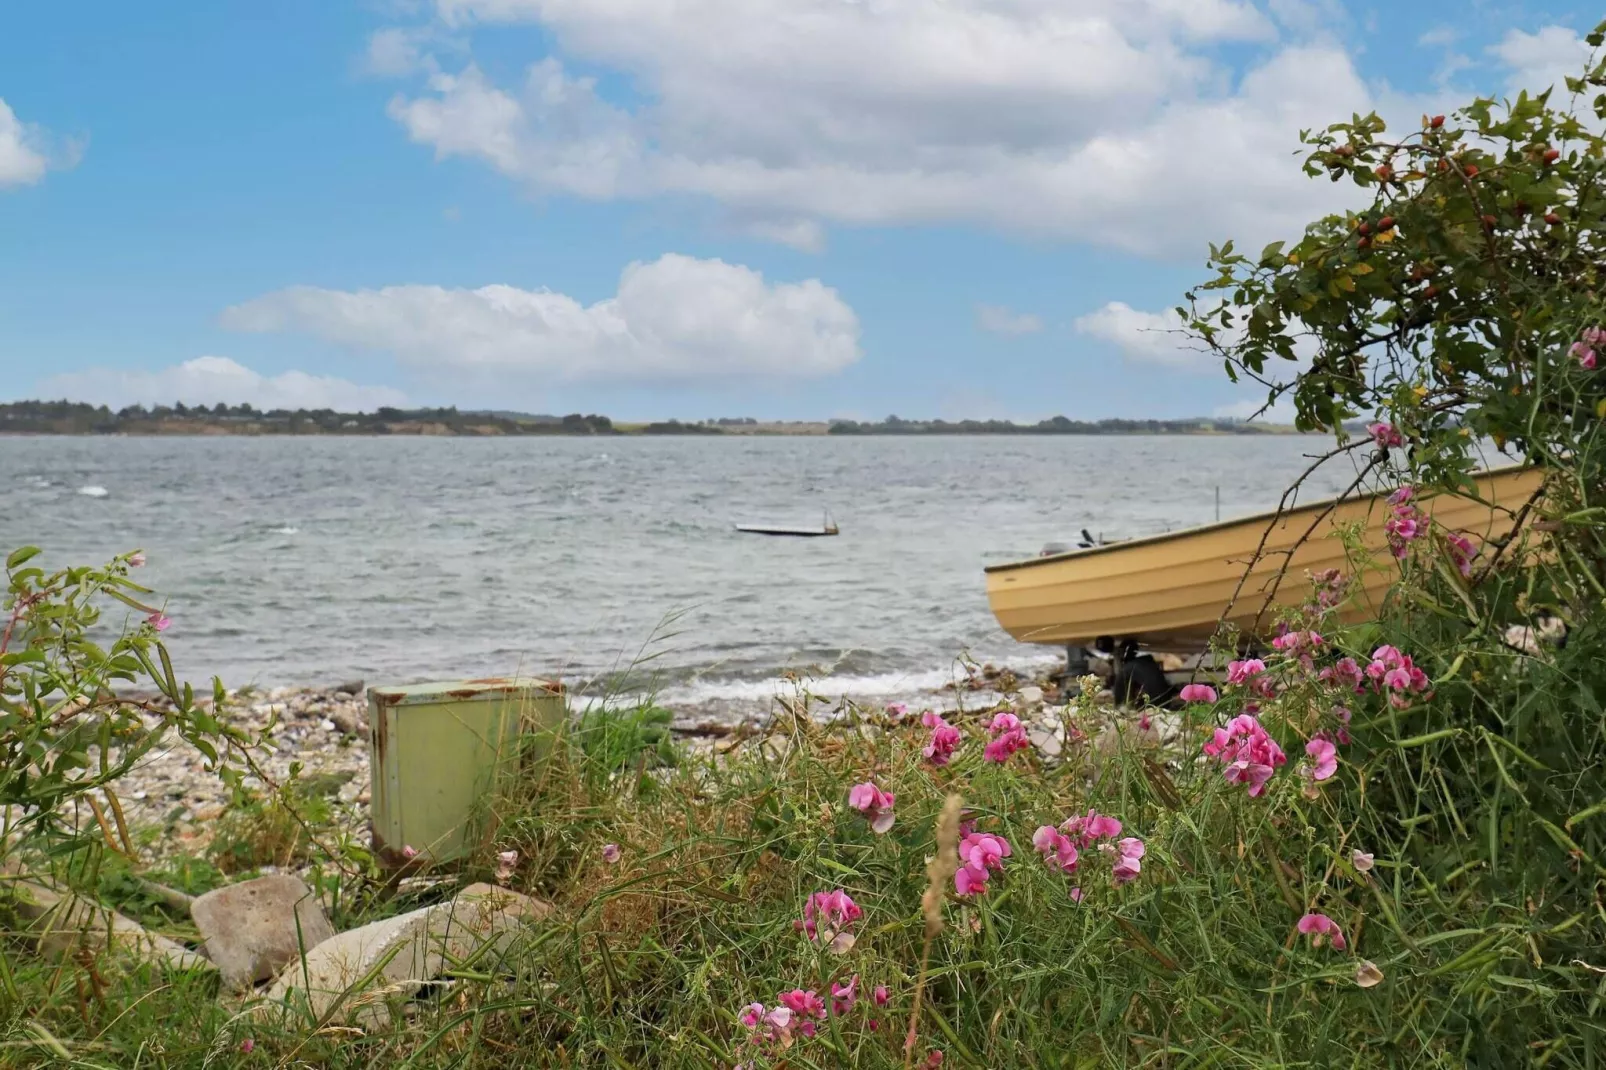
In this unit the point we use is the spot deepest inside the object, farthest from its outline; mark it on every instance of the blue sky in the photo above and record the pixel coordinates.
(779, 208)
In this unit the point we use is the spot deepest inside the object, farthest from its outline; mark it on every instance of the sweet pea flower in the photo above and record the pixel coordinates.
(1239, 672)
(1058, 851)
(934, 1060)
(1361, 860)
(980, 855)
(803, 1004)
(1325, 756)
(1402, 496)
(1385, 435)
(881, 996)
(874, 804)
(1367, 975)
(409, 852)
(136, 559)
(610, 853)
(1128, 864)
(1009, 736)
(1198, 693)
(843, 997)
(828, 917)
(1584, 354)
(1249, 755)
(159, 620)
(247, 1046)
(945, 738)
(752, 1014)
(505, 862)
(1320, 927)
(898, 710)
(1346, 672)
(1462, 551)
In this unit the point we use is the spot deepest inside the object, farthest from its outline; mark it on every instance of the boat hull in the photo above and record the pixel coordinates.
(1171, 591)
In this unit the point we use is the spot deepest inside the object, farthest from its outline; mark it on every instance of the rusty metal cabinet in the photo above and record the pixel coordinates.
(437, 750)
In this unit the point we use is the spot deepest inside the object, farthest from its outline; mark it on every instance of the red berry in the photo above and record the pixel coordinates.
(1364, 243)
(1553, 219)
(1489, 222)
(1364, 228)
(1436, 122)
(1386, 223)
(1431, 292)
(1385, 172)
(1552, 155)
(1471, 170)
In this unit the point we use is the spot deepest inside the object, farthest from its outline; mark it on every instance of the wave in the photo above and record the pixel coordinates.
(286, 530)
(93, 491)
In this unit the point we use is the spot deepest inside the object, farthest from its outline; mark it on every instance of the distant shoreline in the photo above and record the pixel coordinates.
(68, 418)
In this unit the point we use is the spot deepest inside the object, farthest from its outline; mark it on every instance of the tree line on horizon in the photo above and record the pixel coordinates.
(82, 418)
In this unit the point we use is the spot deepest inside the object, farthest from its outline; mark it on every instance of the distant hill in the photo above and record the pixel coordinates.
(77, 418)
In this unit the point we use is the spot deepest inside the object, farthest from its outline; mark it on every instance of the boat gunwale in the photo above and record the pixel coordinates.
(1268, 516)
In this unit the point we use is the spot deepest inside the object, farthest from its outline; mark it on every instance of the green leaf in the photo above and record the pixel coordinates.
(20, 556)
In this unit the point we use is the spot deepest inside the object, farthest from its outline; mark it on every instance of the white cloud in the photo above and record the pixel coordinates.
(23, 159)
(1101, 120)
(1537, 61)
(1000, 320)
(209, 380)
(676, 319)
(1148, 337)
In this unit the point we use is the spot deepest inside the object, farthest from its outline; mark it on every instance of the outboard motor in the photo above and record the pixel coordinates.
(1088, 541)
(1140, 679)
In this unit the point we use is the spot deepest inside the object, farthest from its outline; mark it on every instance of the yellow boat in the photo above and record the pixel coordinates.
(1169, 592)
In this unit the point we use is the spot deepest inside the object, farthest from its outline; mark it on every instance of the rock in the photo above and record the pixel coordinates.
(61, 923)
(1046, 740)
(344, 722)
(1031, 696)
(253, 928)
(350, 687)
(417, 945)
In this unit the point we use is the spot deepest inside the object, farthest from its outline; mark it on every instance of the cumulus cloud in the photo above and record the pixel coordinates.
(1101, 120)
(1147, 337)
(997, 319)
(24, 155)
(677, 319)
(1538, 61)
(210, 380)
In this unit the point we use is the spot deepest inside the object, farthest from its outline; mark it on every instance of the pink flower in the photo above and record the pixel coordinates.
(505, 862)
(874, 804)
(1320, 927)
(1330, 585)
(828, 917)
(1294, 642)
(934, 1060)
(843, 997)
(945, 738)
(136, 559)
(1385, 435)
(803, 1004)
(159, 620)
(1248, 753)
(1462, 551)
(409, 851)
(1585, 355)
(1346, 673)
(881, 996)
(1326, 758)
(752, 1014)
(1076, 895)
(1128, 864)
(980, 855)
(1057, 849)
(610, 853)
(1361, 860)
(1402, 496)
(1594, 336)
(1198, 693)
(779, 1020)
(247, 1046)
(1239, 672)
(898, 710)
(1008, 735)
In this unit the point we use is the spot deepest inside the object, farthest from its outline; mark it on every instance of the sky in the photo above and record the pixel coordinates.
(784, 209)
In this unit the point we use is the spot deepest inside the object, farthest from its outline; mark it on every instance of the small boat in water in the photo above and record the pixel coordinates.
(827, 527)
(1170, 591)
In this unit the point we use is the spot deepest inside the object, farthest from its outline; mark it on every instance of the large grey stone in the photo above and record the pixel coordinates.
(253, 928)
(403, 953)
(61, 924)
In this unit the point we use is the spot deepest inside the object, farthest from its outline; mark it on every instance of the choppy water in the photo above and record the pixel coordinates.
(290, 561)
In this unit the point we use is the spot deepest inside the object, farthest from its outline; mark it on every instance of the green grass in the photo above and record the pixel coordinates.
(1196, 963)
